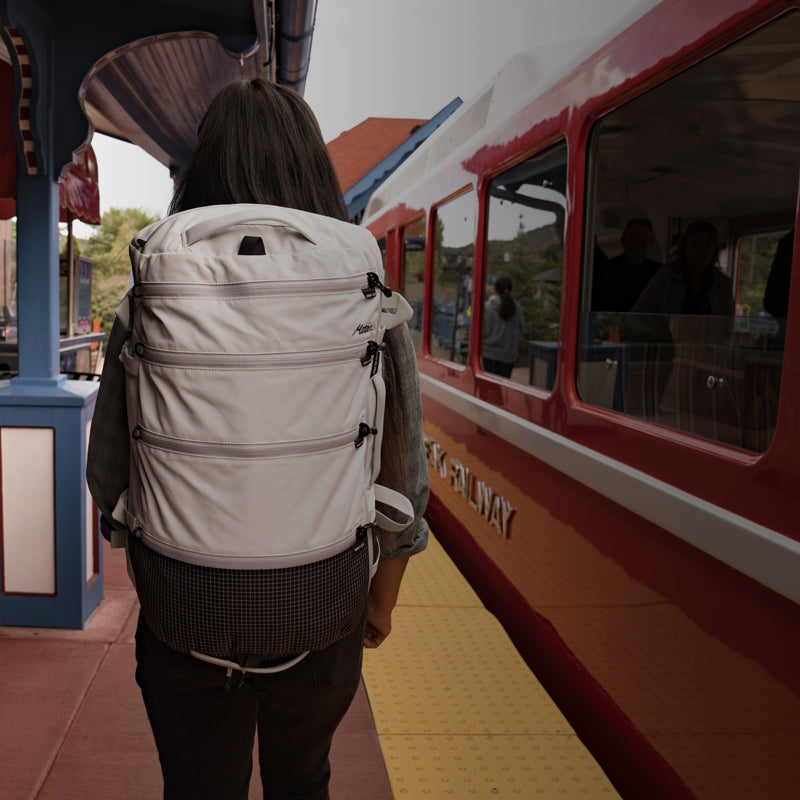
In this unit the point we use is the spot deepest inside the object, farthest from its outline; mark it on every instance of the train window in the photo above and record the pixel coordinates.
(699, 175)
(524, 261)
(453, 252)
(413, 275)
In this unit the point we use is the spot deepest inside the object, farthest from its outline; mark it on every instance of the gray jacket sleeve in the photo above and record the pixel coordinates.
(409, 446)
(107, 462)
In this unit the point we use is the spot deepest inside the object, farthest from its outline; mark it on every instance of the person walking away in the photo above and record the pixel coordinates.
(260, 143)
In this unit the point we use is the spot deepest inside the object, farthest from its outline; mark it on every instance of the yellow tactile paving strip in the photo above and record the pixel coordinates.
(432, 580)
(458, 712)
(454, 671)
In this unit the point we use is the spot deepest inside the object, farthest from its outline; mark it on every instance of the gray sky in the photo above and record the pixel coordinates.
(381, 58)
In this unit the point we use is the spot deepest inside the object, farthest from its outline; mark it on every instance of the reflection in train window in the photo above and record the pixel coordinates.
(707, 166)
(524, 262)
(382, 248)
(451, 305)
(413, 275)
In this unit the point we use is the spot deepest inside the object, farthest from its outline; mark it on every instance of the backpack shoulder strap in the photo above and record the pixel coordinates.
(397, 502)
(395, 310)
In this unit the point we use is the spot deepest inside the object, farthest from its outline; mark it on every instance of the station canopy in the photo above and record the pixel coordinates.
(139, 71)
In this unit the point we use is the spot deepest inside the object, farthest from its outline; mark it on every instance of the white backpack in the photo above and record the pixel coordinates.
(255, 401)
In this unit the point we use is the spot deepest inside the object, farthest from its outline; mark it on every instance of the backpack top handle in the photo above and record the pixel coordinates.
(249, 216)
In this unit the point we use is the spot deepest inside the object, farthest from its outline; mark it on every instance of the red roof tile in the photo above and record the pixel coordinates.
(357, 151)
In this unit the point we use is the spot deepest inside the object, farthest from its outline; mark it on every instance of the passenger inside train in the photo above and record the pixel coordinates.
(688, 349)
(619, 281)
(694, 283)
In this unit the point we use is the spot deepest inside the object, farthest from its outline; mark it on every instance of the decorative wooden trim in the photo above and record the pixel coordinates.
(25, 72)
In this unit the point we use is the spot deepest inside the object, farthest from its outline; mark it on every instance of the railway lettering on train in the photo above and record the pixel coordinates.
(436, 456)
(494, 508)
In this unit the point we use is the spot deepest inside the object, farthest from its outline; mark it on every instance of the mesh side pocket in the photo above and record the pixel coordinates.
(273, 613)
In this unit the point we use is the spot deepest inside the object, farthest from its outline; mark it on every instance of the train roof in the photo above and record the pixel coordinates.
(564, 79)
(526, 75)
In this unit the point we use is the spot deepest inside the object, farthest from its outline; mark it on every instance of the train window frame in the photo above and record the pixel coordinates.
(541, 369)
(726, 417)
(463, 316)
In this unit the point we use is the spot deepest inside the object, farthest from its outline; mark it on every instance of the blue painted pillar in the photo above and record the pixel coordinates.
(38, 321)
(50, 554)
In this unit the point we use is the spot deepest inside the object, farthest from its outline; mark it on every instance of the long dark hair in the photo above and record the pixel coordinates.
(503, 287)
(681, 262)
(259, 142)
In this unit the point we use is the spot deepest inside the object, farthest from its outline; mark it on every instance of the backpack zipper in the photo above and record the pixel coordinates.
(374, 282)
(194, 447)
(365, 352)
(365, 283)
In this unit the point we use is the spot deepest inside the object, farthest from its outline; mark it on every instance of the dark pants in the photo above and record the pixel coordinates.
(205, 732)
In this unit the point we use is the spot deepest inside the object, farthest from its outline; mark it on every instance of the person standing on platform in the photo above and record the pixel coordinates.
(503, 324)
(260, 143)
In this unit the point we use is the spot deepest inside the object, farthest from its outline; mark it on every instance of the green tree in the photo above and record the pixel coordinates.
(533, 260)
(108, 249)
(756, 255)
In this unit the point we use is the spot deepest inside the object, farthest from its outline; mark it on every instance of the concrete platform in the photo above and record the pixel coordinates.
(73, 725)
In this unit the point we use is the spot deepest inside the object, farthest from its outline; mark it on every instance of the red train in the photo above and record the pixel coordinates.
(615, 466)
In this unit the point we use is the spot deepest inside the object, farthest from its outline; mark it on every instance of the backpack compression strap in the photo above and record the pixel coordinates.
(232, 665)
(395, 310)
